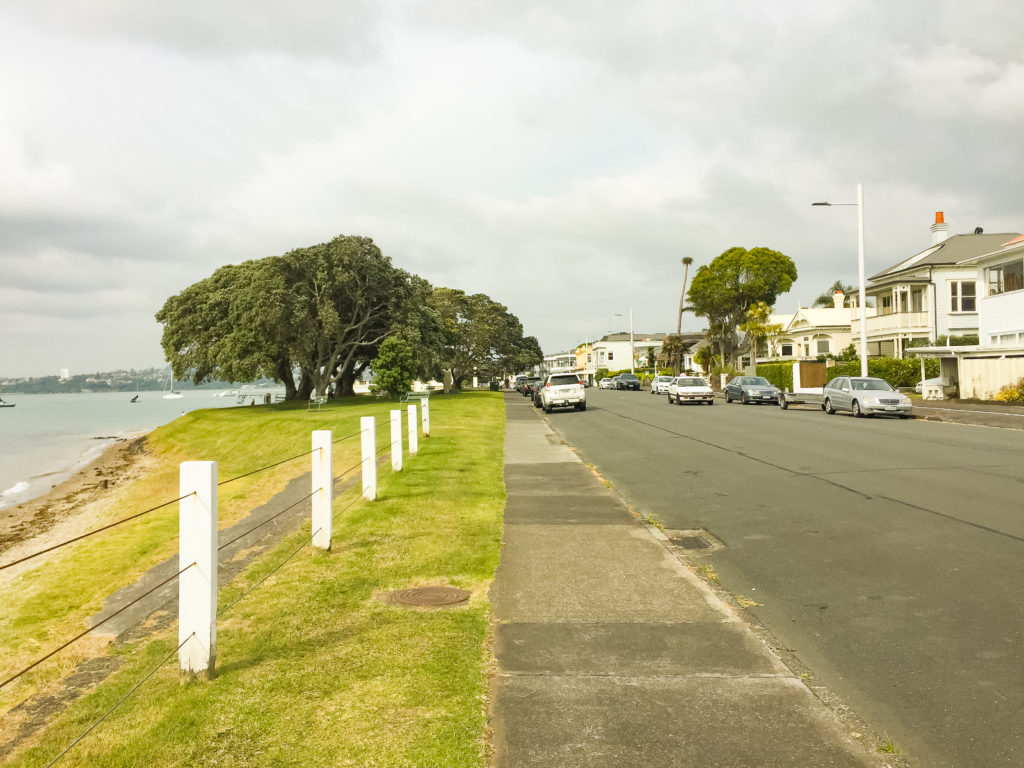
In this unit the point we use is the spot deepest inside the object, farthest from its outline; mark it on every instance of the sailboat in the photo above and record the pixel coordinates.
(170, 393)
(4, 404)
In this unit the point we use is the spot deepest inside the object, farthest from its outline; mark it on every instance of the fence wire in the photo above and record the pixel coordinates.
(276, 568)
(121, 701)
(268, 520)
(104, 620)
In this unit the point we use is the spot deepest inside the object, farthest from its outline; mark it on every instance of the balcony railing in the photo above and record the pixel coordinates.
(894, 321)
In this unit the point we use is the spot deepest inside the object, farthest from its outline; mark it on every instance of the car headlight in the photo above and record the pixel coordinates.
(871, 401)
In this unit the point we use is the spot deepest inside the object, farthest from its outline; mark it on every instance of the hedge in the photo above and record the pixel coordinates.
(899, 373)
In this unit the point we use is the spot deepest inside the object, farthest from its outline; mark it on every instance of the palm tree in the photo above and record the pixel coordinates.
(825, 300)
(687, 261)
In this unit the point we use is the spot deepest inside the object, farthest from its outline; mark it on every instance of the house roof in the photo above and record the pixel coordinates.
(821, 317)
(951, 251)
(637, 337)
(1013, 246)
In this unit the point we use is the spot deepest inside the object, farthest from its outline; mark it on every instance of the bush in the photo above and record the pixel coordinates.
(899, 373)
(779, 374)
(1011, 393)
(393, 367)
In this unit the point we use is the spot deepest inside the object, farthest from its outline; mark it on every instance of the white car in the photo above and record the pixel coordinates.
(690, 389)
(563, 390)
(605, 383)
(659, 385)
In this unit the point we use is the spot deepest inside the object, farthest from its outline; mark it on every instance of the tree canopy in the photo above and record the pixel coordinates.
(724, 290)
(314, 318)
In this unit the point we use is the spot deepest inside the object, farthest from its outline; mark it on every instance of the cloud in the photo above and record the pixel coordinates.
(561, 158)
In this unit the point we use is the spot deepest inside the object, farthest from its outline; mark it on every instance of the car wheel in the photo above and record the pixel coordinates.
(856, 410)
(783, 403)
(828, 407)
(711, 402)
(743, 398)
(547, 409)
(583, 406)
(728, 398)
(903, 416)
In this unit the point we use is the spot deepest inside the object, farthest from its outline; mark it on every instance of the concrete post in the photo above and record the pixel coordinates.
(323, 488)
(197, 586)
(368, 426)
(396, 441)
(425, 411)
(414, 442)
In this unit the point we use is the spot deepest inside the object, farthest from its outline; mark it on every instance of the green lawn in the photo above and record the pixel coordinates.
(312, 669)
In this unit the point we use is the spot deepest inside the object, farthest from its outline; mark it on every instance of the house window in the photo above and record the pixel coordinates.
(886, 305)
(787, 350)
(611, 355)
(1006, 278)
(823, 346)
(962, 296)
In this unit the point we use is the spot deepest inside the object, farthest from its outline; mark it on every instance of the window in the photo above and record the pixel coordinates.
(822, 346)
(886, 305)
(1006, 278)
(962, 296)
(611, 355)
(787, 350)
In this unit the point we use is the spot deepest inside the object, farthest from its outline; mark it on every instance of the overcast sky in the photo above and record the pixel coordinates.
(560, 157)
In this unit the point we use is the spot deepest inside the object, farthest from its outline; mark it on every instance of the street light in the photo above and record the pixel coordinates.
(860, 270)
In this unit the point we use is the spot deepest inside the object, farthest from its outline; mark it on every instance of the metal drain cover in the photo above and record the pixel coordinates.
(692, 542)
(437, 596)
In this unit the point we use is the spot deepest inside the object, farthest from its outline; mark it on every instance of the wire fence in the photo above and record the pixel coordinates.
(305, 542)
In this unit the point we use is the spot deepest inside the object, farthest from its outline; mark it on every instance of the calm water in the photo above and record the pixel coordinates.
(45, 438)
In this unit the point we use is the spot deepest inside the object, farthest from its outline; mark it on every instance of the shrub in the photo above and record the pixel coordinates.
(393, 368)
(779, 374)
(899, 373)
(1011, 393)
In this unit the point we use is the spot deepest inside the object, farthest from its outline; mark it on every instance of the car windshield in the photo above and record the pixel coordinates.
(626, 376)
(558, 380)
(664, 378)
(755, 381)
(690, 383)
(870, 384)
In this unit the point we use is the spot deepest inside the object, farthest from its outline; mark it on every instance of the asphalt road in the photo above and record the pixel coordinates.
(887, 554)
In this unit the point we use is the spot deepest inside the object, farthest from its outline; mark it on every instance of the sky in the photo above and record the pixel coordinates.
(560, 157)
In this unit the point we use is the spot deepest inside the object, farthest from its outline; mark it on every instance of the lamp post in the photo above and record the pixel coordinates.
(632, 352)
(860, 275)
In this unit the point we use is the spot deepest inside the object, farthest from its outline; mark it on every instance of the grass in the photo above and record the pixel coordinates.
(312, 669)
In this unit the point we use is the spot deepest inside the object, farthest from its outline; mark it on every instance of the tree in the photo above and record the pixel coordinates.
(757, 327)
(393, 368)
(724, 290)
(825, 299)
(687, 261)
(478, 334)
(672, 349)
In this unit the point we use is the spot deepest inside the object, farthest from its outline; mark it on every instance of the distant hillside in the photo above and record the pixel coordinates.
(111, 381)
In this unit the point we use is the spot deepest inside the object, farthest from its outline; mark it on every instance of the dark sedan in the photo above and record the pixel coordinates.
(751, 389)
(530, 385)
(627, 381)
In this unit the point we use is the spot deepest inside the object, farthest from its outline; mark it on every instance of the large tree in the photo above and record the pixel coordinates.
(724, 290)
(481, 335)
(322, 310)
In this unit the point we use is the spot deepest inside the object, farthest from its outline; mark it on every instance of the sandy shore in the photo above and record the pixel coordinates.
(68, 509)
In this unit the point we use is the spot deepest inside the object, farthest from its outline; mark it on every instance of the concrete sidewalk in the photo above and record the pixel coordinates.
(612, 652)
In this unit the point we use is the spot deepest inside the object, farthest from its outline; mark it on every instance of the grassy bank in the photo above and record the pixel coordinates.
(312, 669)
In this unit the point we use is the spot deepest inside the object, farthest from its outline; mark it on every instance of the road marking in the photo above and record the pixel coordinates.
(966, 410)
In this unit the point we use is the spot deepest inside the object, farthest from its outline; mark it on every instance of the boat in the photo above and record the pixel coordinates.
(134, 399)
(171, 393)
(5, 404)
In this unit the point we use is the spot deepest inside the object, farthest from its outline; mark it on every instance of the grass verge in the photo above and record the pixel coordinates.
(312, 669)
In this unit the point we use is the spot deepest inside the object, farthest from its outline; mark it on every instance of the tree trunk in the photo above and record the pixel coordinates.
(284, 373)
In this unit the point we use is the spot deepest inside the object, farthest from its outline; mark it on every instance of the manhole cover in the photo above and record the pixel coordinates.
(427, 597)
(695, 541)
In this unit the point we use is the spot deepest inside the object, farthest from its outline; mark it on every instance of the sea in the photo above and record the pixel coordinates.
(45, 439)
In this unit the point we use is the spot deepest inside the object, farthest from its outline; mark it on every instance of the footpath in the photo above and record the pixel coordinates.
(611, 651)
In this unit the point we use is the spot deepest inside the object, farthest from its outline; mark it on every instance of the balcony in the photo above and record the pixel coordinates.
(894, 322)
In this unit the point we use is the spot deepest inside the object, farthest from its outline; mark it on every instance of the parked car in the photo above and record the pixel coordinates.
(563, 390)
(627, 381)
(530, 384)
(605, 383)
(519, 383)
(535, 396)
(751, 389)
(659, 384)
(864, 396)
(690, 389)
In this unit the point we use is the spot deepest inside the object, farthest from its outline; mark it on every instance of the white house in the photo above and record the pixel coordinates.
(615, 351)
(813, 331)
(933, 293)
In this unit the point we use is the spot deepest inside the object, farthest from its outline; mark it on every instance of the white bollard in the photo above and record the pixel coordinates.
(197, 586)
(414, 442)
(425, 410)
(323, 488)
(396, 441)
(367, 425)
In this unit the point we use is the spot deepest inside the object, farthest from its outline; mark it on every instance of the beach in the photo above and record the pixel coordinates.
(68, 509)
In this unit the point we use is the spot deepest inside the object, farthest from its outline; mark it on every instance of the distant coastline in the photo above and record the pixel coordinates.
(153, 379)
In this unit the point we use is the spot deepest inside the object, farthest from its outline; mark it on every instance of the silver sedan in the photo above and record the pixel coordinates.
(864, 397)
(751, 389)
